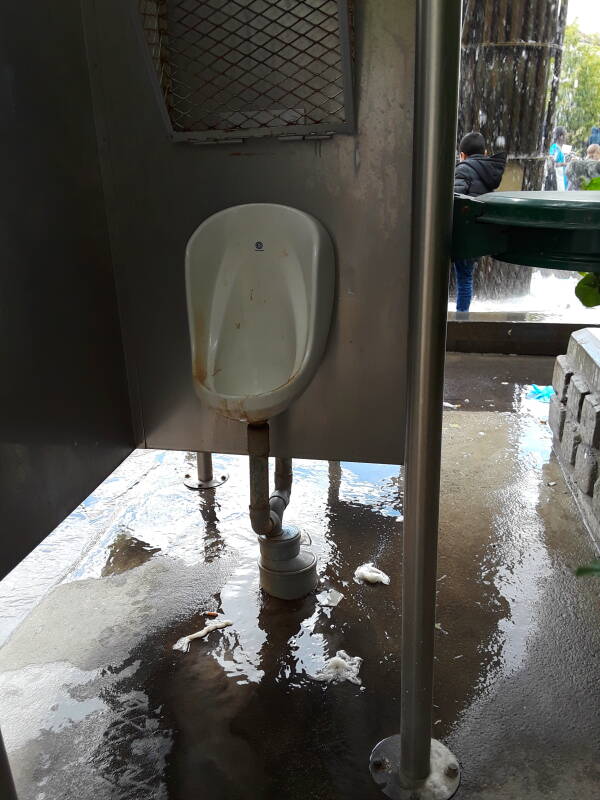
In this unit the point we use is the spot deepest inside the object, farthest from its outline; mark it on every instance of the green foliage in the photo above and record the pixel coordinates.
(589, 569)
(578, 104)
(588, 290)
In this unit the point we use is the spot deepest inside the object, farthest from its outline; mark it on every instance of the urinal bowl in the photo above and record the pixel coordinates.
(260, 285)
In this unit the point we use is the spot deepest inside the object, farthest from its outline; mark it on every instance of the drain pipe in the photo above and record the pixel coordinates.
(286, 570)
(266, 513)
(258, 451)
(280, 499)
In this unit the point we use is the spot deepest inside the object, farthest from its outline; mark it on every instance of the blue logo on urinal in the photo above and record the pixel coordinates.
(259, 246)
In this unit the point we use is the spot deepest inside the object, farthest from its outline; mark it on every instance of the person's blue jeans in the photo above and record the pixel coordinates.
(464, 283)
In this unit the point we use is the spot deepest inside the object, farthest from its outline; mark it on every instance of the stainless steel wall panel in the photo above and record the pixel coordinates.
(158, 192)
(65, 420)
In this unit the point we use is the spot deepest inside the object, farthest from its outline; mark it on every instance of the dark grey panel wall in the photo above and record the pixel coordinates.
(65, 422)
(158, 192)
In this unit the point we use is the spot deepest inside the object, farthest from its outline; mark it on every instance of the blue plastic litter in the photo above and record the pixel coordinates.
(542, 393)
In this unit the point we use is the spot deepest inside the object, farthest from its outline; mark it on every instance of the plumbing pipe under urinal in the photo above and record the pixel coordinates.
(286, 570)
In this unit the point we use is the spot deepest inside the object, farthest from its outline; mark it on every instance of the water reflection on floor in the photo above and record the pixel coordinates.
(94, 702)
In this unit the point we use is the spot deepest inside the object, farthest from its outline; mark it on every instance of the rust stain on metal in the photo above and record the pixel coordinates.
(199, 370)
(199, 367)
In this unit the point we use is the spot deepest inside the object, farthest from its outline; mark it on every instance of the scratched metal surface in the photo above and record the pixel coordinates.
(358, 186)
(65, 420)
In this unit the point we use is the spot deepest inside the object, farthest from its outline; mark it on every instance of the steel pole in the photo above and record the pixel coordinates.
(436, 99)
(206, 479)
(205, 470)
(402, 765)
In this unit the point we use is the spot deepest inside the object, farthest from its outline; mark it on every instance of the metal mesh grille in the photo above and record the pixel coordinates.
(251, 67)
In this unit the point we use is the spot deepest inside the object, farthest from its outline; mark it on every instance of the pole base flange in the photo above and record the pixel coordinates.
(196, 486)
(385, 769)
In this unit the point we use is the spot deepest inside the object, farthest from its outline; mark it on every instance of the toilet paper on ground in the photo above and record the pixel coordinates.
(183, 644)
(341, 667)
(368, 573)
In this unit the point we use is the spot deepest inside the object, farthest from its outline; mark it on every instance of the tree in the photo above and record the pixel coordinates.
(509, 75)
(578, 105)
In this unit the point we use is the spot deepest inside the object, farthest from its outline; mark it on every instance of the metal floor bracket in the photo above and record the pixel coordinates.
(441, 784)
(205, 479)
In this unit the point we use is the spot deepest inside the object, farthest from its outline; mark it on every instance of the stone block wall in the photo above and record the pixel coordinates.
(574, 419)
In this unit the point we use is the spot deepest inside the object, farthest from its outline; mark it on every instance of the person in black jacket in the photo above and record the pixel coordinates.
(475, 174)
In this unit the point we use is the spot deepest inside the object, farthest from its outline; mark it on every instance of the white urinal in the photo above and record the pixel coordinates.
(260, 285)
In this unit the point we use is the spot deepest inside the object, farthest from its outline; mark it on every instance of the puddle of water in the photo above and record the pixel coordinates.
(378, 486)
(126, 552)
(494, 485)
(270, 655)
(219, 721)
(520, 559)
(53, 681)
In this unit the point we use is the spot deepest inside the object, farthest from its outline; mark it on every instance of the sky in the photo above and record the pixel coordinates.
(588, 13)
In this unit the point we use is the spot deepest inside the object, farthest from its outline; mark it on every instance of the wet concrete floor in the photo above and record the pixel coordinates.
(95, 703)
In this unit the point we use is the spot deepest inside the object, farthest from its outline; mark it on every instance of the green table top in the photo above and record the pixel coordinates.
(558, 230)
(573, 210)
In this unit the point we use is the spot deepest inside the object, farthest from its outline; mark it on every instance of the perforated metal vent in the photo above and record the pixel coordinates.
(239, 68)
